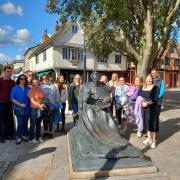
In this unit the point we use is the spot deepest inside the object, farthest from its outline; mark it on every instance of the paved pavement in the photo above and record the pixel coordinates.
(49, 160)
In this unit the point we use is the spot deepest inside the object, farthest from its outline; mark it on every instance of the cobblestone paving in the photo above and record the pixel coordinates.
(3, 167)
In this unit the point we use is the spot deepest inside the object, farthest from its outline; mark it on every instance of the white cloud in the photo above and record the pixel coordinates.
(5, 31)
(8, 36)
(19, 57)
(10, 9)
(4, 58)
(7, 59)
(22, 37)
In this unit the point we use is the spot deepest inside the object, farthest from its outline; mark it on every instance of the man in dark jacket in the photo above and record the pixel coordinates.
(160, 84)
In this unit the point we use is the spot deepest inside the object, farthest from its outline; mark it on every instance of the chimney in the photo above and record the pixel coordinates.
(57, 27)
(45, 37)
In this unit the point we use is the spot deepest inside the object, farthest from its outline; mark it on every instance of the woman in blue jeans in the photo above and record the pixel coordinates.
(21, 107)
(36, 97)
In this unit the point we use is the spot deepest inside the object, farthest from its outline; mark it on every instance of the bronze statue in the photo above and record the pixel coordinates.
(96, 134)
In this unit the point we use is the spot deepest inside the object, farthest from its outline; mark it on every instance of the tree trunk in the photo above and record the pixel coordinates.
(148, 45)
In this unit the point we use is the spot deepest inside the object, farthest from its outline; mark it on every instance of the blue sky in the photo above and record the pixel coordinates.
(22, 23)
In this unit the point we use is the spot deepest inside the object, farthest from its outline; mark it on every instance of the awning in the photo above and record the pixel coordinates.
(43, 73)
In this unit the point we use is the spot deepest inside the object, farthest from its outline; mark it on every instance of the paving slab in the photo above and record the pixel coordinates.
(49, 160)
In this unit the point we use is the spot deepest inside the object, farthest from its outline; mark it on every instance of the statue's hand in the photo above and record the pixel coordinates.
(107, 100)
(102, 105)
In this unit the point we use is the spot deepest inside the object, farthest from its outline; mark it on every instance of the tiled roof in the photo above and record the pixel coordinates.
(56, 35)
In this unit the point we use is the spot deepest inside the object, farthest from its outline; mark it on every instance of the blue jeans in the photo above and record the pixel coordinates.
(75, 108)
(75, 112)
(35, 122)
(22, 125)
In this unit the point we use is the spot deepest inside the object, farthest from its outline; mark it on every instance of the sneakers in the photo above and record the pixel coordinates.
(2, 141)
(35, 141)
(147, 142)
(153, 145)
(123, 131)
(139, 134)
(25, 138)
(50, 136)
(18, 141)
(41, 139)
(45, 135)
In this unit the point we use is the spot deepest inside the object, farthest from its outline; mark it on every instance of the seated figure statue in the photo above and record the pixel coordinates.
(96, 134)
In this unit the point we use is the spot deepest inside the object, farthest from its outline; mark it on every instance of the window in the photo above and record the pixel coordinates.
(37, 59)
(64, 53)
(44, 56)
(74, 29)
(102, 60)
(167, 61)
(81, 56)
(118, 59)
(73, 54)
(176, 62)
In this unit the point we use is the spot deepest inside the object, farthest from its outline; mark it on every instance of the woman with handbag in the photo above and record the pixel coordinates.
(150, 94)
(21, 107)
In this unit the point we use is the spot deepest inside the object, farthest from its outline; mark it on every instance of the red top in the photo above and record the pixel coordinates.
(5, 90)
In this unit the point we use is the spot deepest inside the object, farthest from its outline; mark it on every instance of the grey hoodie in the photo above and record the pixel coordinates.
(51, 94)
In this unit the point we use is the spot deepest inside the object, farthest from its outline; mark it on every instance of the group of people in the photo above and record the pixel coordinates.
(139, 103)
(36, 102)
(32, 102)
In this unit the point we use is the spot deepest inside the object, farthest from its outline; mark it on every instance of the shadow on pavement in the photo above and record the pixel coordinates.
(35, 154)
(167, 129)
(171, 101)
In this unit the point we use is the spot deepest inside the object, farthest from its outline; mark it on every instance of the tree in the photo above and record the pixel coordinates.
(139, 29)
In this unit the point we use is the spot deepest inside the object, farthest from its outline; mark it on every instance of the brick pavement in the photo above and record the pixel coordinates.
(49, 160)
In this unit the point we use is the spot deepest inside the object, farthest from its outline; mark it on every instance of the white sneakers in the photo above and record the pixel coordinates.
(41, 139)
(35, 141)
(147, 142)
(151, 143)
(139, 134)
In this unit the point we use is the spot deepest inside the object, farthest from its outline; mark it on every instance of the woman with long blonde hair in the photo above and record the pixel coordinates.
(150, 93)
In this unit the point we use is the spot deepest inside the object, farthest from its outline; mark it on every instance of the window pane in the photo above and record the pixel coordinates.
(72, 28)
(176, 62)
(167, 61)
(73, 54)
(118, 59)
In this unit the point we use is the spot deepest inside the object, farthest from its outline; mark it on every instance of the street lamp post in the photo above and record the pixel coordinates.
(84, 56)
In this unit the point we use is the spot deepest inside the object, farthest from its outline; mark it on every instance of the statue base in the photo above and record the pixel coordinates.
(82, 167)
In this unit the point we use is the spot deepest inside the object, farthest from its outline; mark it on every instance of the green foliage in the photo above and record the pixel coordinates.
(123, 24)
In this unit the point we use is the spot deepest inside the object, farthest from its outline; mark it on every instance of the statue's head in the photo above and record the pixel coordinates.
(95, 76)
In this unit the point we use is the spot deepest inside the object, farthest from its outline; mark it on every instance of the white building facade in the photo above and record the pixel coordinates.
(64, 53)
